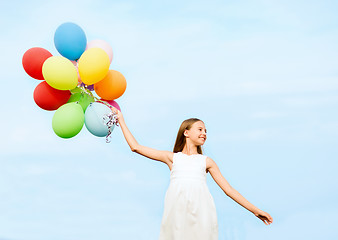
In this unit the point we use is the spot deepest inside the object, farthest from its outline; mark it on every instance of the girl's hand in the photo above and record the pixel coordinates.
(264, 216)
(118, 113)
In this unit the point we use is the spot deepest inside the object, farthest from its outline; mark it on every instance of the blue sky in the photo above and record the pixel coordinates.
(263, 75)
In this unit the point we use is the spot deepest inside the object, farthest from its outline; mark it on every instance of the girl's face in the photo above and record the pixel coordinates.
(197, 133)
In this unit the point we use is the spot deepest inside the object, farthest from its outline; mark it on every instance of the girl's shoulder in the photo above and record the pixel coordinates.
(210, 163)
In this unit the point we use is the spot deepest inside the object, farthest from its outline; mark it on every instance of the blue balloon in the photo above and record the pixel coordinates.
(96, 118)
(70, 40)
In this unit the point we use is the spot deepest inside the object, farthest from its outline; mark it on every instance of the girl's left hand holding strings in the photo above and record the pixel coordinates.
(118, 114)
(264, 216)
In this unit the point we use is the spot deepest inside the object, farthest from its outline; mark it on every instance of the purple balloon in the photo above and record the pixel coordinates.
(89, 87)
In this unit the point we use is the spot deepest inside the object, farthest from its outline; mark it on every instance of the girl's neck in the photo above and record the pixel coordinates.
(190, 149)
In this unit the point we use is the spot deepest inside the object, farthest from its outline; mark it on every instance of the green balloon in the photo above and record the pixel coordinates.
(83, 99)
(76, 90)
(68, 120)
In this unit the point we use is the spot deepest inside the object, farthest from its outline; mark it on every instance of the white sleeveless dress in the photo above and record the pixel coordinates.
(189, 209)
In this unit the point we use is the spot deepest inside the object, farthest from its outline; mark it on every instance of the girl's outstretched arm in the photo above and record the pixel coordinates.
(234, 194)
(163, 156)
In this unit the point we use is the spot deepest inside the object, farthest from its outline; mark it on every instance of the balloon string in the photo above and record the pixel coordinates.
(109, 119)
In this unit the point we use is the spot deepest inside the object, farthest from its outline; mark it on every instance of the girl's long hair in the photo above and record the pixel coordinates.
(181, 139)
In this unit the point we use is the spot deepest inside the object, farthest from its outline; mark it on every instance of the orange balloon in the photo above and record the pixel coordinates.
(112, 86)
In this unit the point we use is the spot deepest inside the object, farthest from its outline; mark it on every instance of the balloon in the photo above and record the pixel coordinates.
(103, 45)
(94, 119)
(83, 99)
(77, 70)
(89, 87)
(33, 60)
(49, 98)
(112, 86)
(70, 40)
(68, 120)
(60, 73)
(93, 65)
(76, 90)
(113, 103)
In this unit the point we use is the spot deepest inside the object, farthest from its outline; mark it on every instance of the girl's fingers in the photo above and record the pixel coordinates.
(269, 217)
(266, 218)
(115, 111)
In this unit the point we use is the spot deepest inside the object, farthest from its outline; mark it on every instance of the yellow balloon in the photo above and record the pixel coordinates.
(60, 73)
(93, 65)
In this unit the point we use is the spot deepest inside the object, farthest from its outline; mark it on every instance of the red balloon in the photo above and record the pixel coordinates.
(33, 60)
(49, 98)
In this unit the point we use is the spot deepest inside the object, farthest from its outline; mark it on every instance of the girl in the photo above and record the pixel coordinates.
(189, 209)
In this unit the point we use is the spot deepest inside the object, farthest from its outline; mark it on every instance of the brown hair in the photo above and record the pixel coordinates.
(181, 139)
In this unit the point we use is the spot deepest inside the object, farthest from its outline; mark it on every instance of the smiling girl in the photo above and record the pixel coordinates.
(189, 209)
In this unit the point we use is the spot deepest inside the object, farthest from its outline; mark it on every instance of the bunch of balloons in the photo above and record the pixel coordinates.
(71, 80)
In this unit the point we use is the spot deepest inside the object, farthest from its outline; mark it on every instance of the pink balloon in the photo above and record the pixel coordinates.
(113, 103)
(103, 45)
(77, 70)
